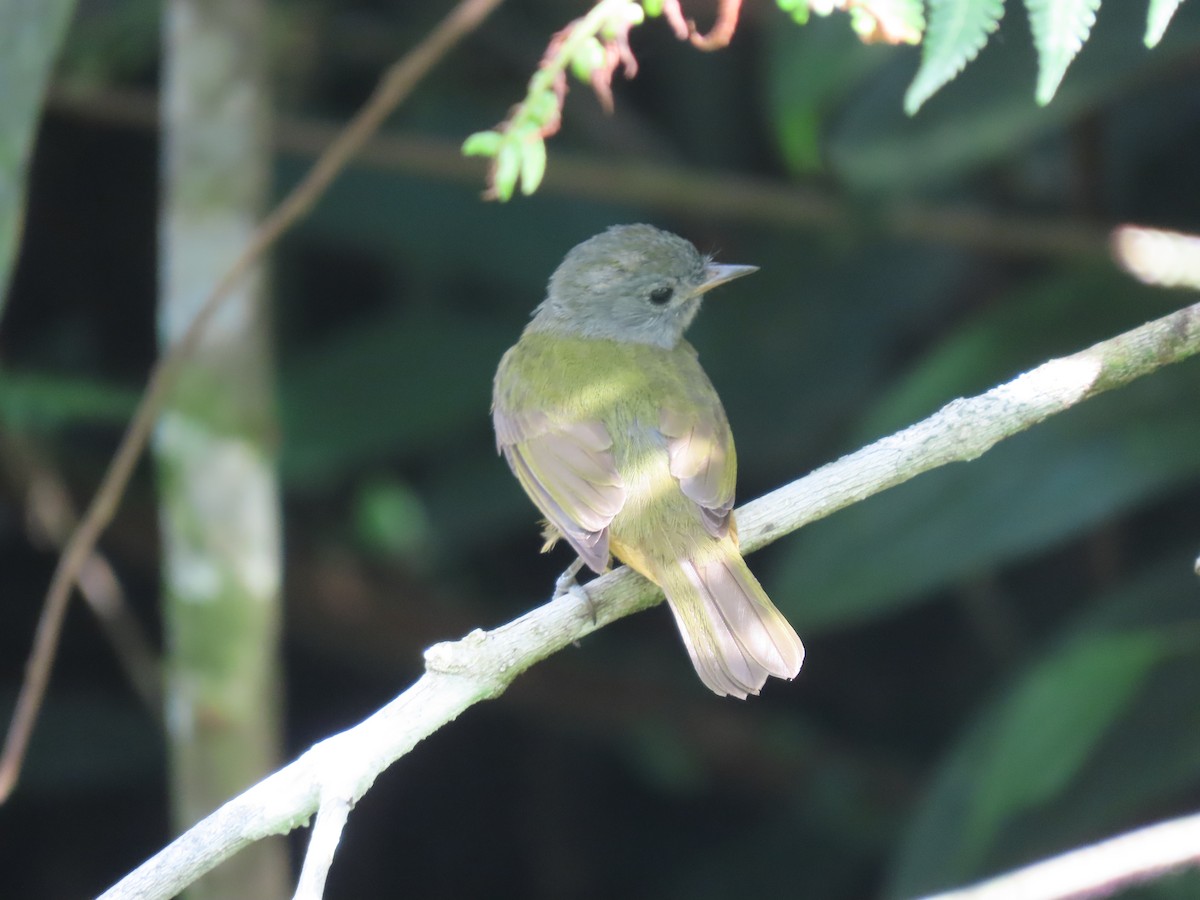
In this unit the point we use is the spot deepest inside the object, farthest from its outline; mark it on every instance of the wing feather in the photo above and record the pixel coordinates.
(568, 470)
(702, 459)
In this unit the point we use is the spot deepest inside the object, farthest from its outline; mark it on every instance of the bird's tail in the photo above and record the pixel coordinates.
(733, 632)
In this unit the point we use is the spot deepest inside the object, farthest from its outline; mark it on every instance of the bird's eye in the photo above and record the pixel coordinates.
(662, 296)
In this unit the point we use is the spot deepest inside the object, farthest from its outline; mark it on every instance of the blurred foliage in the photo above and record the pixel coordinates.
(1003, 655)
(1115, 692)
(49, 402)
(390, 519)
(29, 38)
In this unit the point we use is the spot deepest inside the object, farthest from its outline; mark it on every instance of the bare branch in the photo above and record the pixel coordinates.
(965, 429)
(51, 517)
(327, 832)
(483, 664)
(1098, 870)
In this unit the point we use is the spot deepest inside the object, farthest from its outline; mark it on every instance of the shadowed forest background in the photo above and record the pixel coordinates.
(1003, 656)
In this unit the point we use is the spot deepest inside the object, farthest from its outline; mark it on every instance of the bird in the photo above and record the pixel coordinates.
(614, 431)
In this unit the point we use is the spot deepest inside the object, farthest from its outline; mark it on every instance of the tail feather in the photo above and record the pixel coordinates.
(733, 632)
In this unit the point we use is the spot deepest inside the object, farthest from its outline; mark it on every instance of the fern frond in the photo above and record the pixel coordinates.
(1060, 28)
(957, 31)
(1158, 18)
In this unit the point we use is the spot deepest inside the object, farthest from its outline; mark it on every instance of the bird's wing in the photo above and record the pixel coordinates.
(569, 472)
(702, 458)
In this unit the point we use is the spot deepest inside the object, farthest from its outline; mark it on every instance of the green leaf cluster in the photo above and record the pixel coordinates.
(958, 30)
(517, 147)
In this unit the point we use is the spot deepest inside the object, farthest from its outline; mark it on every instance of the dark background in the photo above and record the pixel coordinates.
(1003, 656)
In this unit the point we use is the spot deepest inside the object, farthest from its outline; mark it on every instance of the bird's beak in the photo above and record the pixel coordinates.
(717, 274)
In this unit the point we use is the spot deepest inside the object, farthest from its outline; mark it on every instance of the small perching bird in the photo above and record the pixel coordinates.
(614, 431)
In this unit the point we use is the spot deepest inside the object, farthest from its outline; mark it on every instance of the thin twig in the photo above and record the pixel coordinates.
(483, 664)
(396, 84)
(51, 518)
(728, 196)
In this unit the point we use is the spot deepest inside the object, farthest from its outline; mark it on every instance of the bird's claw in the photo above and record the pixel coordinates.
(567, 584)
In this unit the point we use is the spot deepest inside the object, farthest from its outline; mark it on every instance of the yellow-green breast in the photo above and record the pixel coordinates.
(626, 386)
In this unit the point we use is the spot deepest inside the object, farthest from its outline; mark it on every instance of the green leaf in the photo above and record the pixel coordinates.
(30, 35)
(586, 60)
(540, 109)
(29, 400)
(483, 143)
(797, 9)
(632, 14)
(508, 167)
(1050, 725)
(533, 164)
(1157, 19)
(1091, 735)
(1060, 28)
(957, 31)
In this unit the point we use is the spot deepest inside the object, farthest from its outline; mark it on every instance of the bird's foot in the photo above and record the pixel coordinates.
(568, 584)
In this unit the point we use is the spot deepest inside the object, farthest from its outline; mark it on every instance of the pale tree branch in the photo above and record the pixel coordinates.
(965, 429)
(1098, 870)
(396, 84)
(338, 771)
(327, 833)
